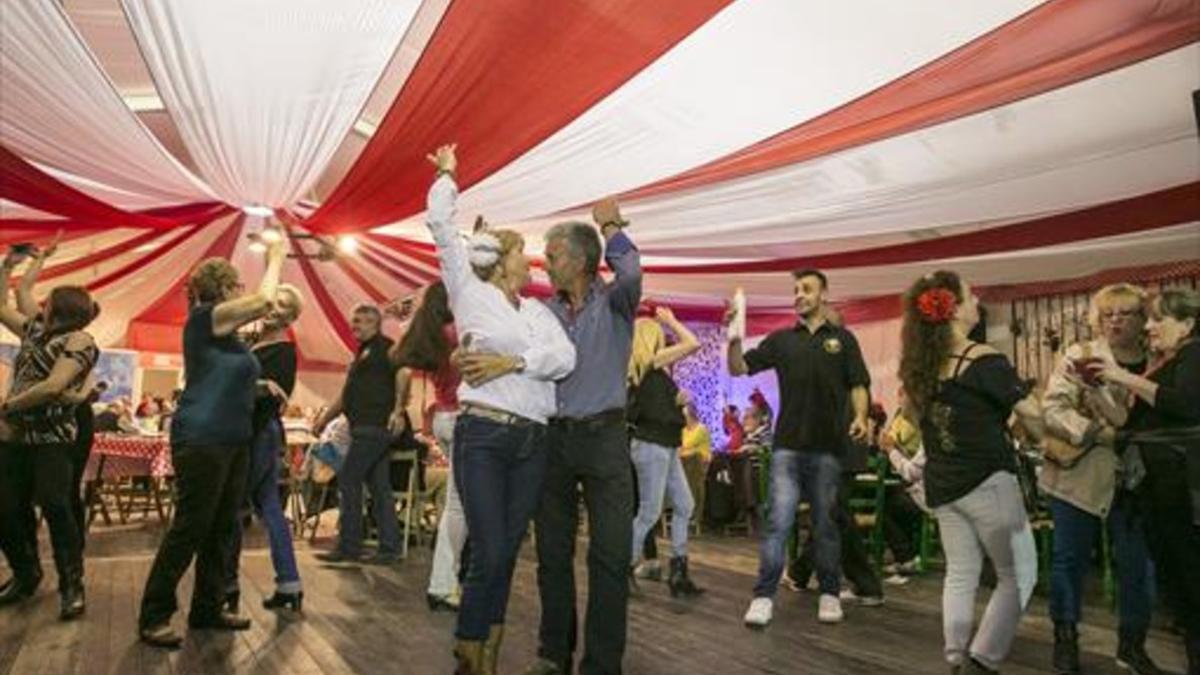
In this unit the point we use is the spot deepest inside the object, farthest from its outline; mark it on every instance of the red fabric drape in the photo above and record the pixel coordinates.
(1054, 45)
(100, 256)
(498, 77)
(130, 268)
(26, 184)
(335, 314)
(158, 328)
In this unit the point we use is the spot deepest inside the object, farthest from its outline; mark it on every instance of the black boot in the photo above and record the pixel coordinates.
(17, 589)
(679, 583)
(71, 593)
(292, 601)
(1131, 653)
(1066, 649)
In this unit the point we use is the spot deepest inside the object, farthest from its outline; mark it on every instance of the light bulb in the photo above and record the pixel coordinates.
(271, 235)
(347, 243)
(257, 210)
(257, 246)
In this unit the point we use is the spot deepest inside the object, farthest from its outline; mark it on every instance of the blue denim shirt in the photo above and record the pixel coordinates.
(602, 333)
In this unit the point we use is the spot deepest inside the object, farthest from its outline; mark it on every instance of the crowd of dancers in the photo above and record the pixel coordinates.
(546, 404)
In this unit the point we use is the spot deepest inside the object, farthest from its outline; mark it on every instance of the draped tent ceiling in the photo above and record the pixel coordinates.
(1024, 142)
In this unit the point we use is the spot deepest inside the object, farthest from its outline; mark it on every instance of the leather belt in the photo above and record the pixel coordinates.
(599, 420)
(494, 415)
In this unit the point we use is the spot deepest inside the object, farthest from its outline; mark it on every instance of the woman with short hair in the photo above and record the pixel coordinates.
(1161, 445)
(276, 356)
(211, 433)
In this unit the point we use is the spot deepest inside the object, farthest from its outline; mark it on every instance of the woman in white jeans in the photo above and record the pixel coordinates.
(963, 393)
(656, 418)
(427, 346)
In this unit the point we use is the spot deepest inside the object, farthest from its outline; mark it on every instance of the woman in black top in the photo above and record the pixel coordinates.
(1163, 433)
(38, 431)
(276, 355)
(656, 418)
(963, 393)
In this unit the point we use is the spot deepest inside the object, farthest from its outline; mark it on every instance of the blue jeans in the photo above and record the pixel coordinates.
(814, 476)
(368, 461)
(660, 474)
(262, 493)
(1075, 533)
(499, 470)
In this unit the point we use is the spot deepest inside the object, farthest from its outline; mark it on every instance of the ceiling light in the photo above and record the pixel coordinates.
(257, 210)
(347, 243)
(257, 246)
(271, 235)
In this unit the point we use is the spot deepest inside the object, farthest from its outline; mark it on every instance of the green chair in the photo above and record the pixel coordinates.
(866, 504)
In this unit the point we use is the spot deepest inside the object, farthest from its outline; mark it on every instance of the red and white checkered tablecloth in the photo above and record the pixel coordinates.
(154, 449)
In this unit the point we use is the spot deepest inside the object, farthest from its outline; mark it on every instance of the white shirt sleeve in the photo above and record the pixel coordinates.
(552, 355)
(439, 217)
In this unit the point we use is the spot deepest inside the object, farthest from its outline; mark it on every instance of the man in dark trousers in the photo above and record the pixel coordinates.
(589, 445)
(373, 401)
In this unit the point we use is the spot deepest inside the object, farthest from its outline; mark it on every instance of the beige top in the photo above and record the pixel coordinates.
(1068, 413)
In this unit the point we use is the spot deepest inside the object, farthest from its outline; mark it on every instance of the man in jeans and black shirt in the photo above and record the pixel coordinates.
(589, 445)
(373, 401)
(821, 377)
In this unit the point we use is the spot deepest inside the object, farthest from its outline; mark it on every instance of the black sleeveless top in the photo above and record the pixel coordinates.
(965, 428)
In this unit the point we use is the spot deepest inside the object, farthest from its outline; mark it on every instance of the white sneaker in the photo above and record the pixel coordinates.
(896, 580)
(830, 610)
(760, 612)
(847, 595)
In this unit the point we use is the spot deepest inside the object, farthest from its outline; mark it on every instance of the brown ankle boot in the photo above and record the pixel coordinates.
(491, 649)
(469, 655)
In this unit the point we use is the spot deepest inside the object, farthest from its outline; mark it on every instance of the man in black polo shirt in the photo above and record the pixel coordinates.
(373, 401)
(822, 378)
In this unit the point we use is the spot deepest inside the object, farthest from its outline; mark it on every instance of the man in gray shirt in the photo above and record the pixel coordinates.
(589, 445)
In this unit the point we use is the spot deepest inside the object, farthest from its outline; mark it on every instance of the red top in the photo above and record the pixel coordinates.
(446, 379)
(733, 428)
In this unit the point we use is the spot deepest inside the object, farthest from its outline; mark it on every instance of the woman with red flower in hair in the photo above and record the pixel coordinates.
(963, 393)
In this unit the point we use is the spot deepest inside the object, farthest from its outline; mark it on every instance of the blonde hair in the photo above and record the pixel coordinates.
(509, 241)
(1115, 294)
(648, 340)
(297, 300)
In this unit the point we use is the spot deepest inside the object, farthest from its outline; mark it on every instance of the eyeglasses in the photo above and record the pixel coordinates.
(1113, 315)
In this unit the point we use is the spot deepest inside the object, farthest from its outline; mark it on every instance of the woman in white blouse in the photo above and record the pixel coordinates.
(511, 352)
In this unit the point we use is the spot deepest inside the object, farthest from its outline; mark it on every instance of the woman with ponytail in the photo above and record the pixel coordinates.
(963, 393)
(39, 430)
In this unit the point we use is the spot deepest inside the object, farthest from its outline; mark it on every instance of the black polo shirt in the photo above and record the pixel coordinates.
(370, 392)
(816, 372)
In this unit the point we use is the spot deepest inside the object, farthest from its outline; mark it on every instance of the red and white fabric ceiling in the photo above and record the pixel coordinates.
(1018, 140)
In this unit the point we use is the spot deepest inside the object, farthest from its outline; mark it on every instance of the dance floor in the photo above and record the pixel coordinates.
(374, 620)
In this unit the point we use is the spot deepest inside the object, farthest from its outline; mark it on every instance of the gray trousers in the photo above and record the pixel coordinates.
(990, 520)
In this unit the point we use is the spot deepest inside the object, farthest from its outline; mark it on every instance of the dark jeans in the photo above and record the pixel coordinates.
(498, 470)
(38, 474)
(210, 483)
(856, 563)
(262, 494)
(1075, 535)
(80, 451)
(816, 477)
(368, 462)
(901, 523)
(596, 455)
(1174, 539)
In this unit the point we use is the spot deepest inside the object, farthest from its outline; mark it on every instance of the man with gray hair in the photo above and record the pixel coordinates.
(589, 446)
(373, 401)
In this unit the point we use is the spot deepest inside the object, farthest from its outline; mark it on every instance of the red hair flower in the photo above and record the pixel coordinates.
(937, 305)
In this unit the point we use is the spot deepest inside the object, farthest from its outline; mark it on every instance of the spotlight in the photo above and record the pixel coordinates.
(347, 243)
(271, 235)
(257, 210)
(257, 246)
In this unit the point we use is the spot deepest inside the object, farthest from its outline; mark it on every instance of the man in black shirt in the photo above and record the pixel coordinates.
(373, 401)
(822, 378)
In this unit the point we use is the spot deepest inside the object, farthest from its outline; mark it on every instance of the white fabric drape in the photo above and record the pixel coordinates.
(263, 92)
(58, 108)
(757, 68)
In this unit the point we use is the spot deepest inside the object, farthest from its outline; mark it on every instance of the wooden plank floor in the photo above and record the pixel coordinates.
(374, 620)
